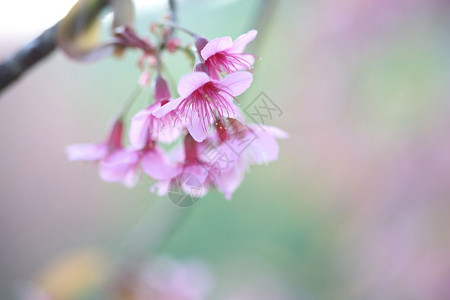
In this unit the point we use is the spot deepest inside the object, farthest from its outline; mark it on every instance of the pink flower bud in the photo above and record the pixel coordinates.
(115, 136)
(172, 44)
(200, 43)
(161, 87)
(201, 67)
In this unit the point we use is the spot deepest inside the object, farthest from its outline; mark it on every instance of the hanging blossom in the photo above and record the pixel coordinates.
(202, 100)
(217, 162)
(212, 145)
(222, 55)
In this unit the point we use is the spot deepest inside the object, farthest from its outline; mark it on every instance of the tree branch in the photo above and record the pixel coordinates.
(12, 68)
(173, 10)
(33, 52)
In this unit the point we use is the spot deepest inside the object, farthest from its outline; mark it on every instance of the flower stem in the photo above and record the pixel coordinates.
(180, 28)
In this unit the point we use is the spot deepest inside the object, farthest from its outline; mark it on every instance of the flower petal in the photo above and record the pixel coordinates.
(157, 166)
(190, 82)
(140, 128)
(161, 89)
(167, 133)
(262, 150)
(86, 152)
(197, 128)
(168, 107)
(241, 42)
(249, 58)
(116, 167)
(236, 83)
(198, 170)
(160, 188)
(274, 131)
(216, 45)
(229, 181)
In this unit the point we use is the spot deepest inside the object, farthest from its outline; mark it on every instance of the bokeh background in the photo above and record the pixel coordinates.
(356, 207)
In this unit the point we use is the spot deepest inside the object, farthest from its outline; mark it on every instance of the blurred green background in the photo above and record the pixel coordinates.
(356, 207)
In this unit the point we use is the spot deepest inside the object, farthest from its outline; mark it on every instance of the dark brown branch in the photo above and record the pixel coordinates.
(173, 10)
(33, 52)
(12, 68)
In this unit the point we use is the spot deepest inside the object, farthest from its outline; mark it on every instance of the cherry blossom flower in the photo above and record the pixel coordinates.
(193, 176)
(218, 163)
(262, 148)
(224, 55)
(202, 100)
(209, 153)
(146, 127)
(173, 43)
(123, 166)
(97, 151)
(120, 166)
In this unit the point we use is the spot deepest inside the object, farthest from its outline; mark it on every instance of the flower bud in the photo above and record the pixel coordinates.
(161, 91)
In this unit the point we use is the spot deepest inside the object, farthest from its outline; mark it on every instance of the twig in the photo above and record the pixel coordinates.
(173, 10)
(36, 50)
(33, 52)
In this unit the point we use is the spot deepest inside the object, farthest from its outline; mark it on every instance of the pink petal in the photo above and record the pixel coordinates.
(234, 113)
(168, 107)
(161, 188)
(250, 59)
(157, 166)
(229, 181)
(241, 42)
(194, 190)
(140, 128)
(262, 150)
(274, 131)
(86, 152)
(198, 170)
(190, 82)
(131, 178)
(169, 133)
(197, 128)
(236, 83)
(115, 167)
(161, 88)
(216, 45)
(177, 153)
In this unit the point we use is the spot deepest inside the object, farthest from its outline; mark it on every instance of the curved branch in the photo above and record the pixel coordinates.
(12, 68)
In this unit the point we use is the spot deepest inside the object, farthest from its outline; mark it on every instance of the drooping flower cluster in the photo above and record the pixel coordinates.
(213, 145)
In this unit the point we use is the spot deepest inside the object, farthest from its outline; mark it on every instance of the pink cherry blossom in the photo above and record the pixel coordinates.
(172, 44)
(146, 127)
(97, 151)
(217, 146)
(123, 165)
(224, 55)
(193, 176)
(264, 148)
(218, 163)
(202, 100)
(120, 166)
(261, 148)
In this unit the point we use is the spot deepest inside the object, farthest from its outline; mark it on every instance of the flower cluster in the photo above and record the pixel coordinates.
(213, 145)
